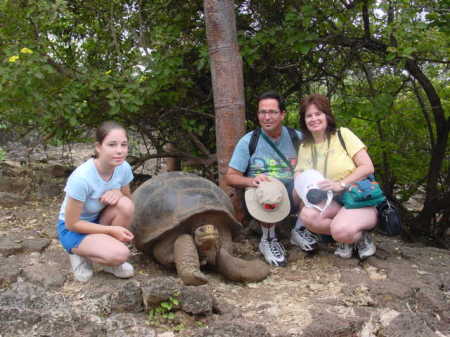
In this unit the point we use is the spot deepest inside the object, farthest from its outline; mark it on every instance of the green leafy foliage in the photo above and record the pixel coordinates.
(164, 313)
(65, 66)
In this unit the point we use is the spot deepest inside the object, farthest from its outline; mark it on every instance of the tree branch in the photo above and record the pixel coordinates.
(425, 114)
(365, 14)
(350, 5)
(189, 159)
(113, 30)
(210, 116)
(199, 144)
(432, 60)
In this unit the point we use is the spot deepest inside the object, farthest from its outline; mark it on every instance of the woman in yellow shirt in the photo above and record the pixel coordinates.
(322, 150)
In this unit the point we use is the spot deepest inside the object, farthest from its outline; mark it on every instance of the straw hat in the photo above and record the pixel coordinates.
(269, 202)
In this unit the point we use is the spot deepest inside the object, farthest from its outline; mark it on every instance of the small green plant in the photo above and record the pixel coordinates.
(165, 311)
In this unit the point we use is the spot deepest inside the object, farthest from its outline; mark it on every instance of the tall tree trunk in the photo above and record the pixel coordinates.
(439, 147)
(433, 198)
(227, 82)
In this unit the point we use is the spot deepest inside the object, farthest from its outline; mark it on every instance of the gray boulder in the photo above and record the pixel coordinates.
(233, 329)
(128, 298)
(193, 299)
(8, 246)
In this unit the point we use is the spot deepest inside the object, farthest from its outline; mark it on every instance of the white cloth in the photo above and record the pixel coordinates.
(308, 180)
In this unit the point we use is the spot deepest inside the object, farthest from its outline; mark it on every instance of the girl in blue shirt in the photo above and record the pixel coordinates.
(97, 209)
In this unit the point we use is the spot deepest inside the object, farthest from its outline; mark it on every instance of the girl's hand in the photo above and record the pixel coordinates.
(111, 197)
(330, 185)
(121, 233)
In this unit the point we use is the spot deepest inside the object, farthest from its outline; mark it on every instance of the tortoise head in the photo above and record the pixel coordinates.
(206, 237)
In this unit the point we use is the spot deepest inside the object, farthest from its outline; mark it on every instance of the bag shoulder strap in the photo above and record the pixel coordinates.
(294, 138)
(254, 141)
(257, 132)
(275, 148)
(341, 140)
(371, 177)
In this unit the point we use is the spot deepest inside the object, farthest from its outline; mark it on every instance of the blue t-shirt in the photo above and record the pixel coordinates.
(86, 185)
(265, 160)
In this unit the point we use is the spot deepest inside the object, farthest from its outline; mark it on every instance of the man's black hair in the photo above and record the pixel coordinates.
(274, 95)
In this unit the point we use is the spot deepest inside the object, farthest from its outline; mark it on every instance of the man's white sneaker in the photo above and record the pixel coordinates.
(81, 267)
(303, 238)
(344, 250)
(273, 252)
(365, 246)
(125, 270)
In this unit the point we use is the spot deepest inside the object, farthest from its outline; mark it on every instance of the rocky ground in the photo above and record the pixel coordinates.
(404, 290)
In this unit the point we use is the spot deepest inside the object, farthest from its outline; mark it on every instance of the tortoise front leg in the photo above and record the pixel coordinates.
(187, 261)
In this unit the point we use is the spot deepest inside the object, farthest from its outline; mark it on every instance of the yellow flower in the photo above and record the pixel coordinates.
(13, 59)
(26, 51)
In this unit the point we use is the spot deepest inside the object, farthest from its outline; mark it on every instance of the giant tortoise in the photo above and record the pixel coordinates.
(187, 221)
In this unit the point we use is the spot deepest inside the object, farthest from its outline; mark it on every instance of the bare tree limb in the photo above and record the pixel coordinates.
(366, 21)
(138, 161)
(432, 60)
(199, 144)
(425, 114)
(351, 4)
(113, 30)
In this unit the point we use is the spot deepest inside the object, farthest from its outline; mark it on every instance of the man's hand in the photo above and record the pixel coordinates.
(111, 197)
(121, 233)
(259, 179)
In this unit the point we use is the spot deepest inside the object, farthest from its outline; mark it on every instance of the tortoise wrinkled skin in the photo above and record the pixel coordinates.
(187, 221)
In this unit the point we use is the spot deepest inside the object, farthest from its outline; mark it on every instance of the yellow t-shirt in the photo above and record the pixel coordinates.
(339, 164)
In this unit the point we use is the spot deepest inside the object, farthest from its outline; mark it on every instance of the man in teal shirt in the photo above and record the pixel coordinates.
(247, 169)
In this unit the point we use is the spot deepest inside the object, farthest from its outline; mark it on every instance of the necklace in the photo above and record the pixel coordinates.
(105, 176)
(314, 156)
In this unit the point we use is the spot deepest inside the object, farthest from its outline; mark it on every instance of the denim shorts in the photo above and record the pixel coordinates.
(68, 239)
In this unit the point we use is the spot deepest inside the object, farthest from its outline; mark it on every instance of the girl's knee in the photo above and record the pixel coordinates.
(125, 206)
(118, 256)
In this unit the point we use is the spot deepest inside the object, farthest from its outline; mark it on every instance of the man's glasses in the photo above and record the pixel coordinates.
(268, 112)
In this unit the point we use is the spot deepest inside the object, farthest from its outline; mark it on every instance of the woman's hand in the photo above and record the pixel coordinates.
(330, 185)
(111, 197)
(120, 233)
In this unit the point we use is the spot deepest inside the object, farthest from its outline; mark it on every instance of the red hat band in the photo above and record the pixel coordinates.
(270, 207)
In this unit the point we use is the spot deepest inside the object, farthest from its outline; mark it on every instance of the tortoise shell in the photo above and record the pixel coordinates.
(165, 202)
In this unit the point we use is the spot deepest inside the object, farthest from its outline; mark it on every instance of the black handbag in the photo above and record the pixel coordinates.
(389, 222)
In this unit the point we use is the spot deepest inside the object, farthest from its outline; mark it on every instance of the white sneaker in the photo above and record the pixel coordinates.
(125, 270)
(273, 252)
(303, 238)
(365, 246)
(344, 250)
(81, 267)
